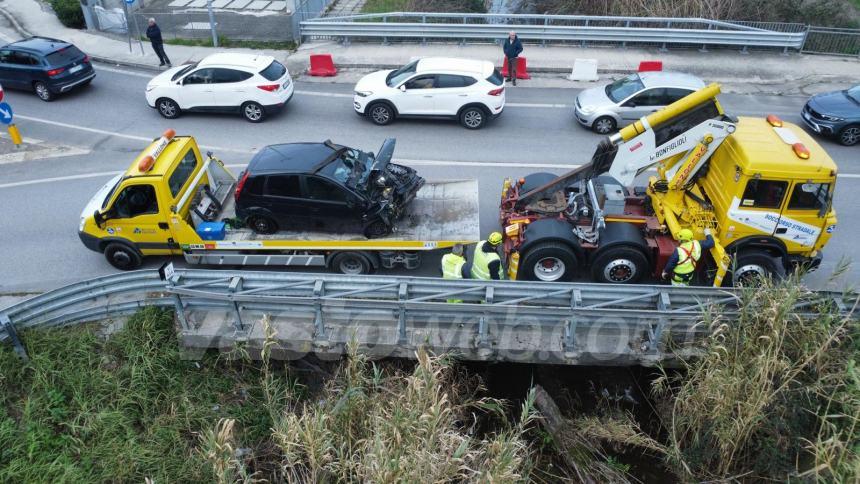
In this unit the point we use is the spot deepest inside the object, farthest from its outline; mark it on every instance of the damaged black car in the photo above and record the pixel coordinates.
(325, 187)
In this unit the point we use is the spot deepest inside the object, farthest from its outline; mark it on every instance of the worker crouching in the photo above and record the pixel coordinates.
(682, 262)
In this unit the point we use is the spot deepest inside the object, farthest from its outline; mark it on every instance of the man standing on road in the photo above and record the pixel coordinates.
(154, 35)
(682, 262)
(512, 49)
(454, 266)
(486, 263)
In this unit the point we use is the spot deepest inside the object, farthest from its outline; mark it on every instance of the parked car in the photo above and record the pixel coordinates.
(249, 84)
(324, 186)
(835, 114)
(468, 90)
(45, 66)
(604, 109)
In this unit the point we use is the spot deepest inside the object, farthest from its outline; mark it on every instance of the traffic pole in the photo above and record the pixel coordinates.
(15, 134)
(212, 23)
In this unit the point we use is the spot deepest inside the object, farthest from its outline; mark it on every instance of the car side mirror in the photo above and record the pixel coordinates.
(99, 218)
(403, 88)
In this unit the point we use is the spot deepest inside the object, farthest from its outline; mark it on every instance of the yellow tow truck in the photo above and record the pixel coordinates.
(762, 186)
(174, 201)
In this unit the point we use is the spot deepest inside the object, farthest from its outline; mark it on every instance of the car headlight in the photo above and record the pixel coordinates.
(831, 118)
(150, 87)
(586, 110)
(363, 93)
(81, 225)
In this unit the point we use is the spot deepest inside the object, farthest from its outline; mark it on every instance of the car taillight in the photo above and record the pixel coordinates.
(269, 87)
(497, 92)
(86, 59)
(54, 72)
(241, 184)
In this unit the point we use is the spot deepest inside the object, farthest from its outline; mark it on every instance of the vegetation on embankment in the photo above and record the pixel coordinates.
(453, 6)
(775, 396)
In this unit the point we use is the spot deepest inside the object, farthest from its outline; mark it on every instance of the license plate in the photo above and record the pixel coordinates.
(76, 69)
(286, 83)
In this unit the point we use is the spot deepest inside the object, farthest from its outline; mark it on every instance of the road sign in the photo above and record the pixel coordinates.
(129, 1)
(5, 113)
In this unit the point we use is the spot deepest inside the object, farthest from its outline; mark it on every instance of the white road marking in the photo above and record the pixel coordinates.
(102, 67)
(114, 133)
(42, 154)
(322, 94)
(538, 105)
(60, 179)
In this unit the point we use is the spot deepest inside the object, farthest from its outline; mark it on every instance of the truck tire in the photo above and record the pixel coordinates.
(122, 256)
(548, 262)
(619, 265)
(352, 263)
(536, 180)
(752, 264)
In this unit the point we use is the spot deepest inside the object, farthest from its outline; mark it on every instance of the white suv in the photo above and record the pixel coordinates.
(252, 85)
(469, 90)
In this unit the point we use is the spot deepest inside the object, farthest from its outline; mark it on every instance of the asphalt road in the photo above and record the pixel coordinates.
(41, 199)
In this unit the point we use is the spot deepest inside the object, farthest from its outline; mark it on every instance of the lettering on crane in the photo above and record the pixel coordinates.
(691, 163)
(669, 147)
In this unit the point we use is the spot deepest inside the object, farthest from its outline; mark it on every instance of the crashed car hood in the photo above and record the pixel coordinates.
(383, 158)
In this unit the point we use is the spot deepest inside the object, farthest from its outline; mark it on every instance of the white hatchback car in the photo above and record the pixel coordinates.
(471, 91)
(249, 84)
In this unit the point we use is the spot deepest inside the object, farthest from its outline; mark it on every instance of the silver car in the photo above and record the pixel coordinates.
(604, 109)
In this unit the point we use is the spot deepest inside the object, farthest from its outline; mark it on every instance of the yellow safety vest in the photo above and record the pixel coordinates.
(452, 266)
(688, 255)
(481, 264)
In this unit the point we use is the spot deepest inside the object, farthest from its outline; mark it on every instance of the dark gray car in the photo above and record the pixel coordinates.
(835, 114)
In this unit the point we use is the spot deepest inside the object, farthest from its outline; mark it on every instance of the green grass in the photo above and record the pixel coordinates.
(89, 410)
(382, 6)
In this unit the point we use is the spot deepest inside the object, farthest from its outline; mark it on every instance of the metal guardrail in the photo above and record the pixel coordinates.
(392, 316)
(553, 28)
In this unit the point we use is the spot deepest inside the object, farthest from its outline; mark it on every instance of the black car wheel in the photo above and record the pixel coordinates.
(122, 256)
(42, 91)
(381, 114)
(377, 229)
(850, 135)
(262, 224)
(167, 108)
(603, 125)
(473, 118)
(253, 112)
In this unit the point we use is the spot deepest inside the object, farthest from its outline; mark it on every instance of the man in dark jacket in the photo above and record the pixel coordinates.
(154, 35)
(512, 49)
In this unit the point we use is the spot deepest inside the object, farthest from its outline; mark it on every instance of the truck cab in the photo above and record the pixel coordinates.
(772, 186)
(137, 213)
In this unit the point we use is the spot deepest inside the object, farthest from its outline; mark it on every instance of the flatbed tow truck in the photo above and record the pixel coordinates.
(180, 193)
(763, 187)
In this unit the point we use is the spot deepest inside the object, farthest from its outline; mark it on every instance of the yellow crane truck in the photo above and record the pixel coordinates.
(186, 207)
(763, 186)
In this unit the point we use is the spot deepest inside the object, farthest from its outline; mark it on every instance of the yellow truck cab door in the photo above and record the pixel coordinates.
(759, 207)
(805, 214)
(135, 215)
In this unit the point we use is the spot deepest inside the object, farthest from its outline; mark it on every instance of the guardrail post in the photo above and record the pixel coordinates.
(402, 295)
(545, 23)
(668, 26)
(745, 50)
(705, 46)
(626, 26)
(234, 287)
(177, 303)
(655, 334)
(423, 22)
(582, 42)
(385, 39)
(13, 335)
(483, 343)
(570, 328)
(320, 338)
(463, 40)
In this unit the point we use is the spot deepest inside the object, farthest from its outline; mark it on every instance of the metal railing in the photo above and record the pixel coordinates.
(391, 316)
(660, 31)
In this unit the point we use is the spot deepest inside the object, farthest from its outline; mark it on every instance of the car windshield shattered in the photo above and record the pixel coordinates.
(625, 87)
(351, 168)
(397, 76)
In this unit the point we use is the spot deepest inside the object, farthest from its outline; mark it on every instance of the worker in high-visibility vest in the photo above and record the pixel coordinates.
(682, 262)
(454, 266)
(486, 262)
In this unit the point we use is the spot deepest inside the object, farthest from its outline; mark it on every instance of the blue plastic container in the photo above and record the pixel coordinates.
(211, 230)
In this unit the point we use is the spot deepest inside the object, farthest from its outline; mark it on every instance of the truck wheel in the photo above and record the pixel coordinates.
(351, 263)
(548, 262)
(751, 266)
(262, 224)
(619, 265)
(536, 180)
(122, 256)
